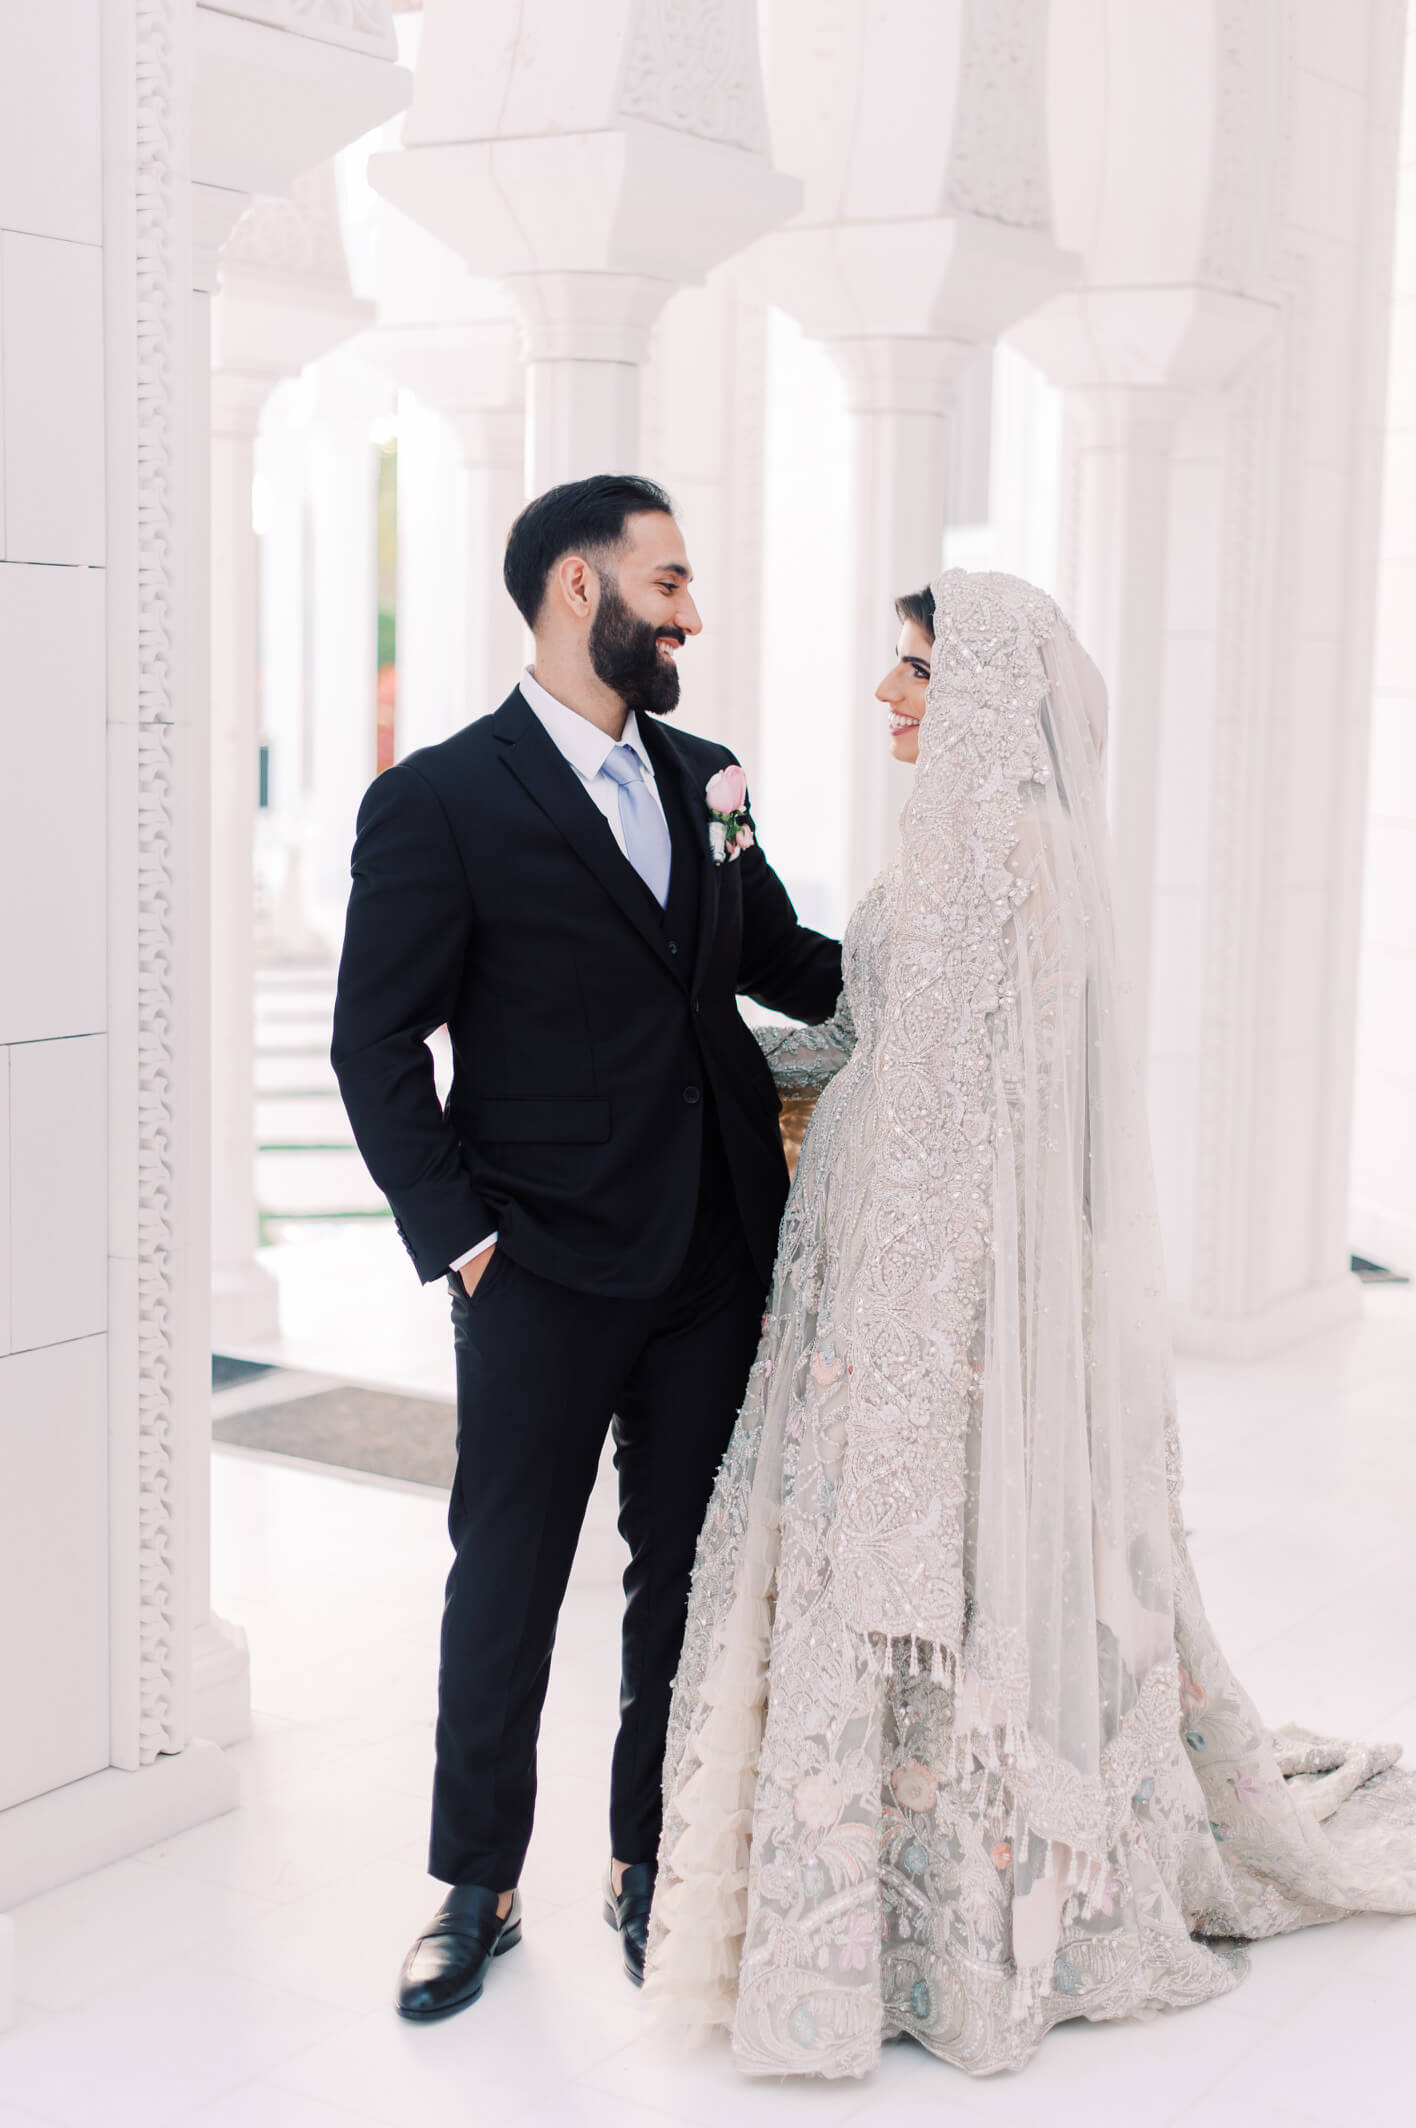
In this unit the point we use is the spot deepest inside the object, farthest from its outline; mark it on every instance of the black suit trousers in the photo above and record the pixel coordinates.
(542, 1370)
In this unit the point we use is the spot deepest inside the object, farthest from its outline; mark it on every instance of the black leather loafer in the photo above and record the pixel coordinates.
(628, 1913)
(448, 1964)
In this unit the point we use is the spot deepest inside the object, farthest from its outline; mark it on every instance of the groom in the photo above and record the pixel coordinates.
(604, 1187)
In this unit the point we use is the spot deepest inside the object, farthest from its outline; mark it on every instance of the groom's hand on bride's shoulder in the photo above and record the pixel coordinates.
(473, 1273)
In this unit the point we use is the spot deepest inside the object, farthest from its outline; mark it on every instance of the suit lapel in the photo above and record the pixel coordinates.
(546, 776)
(691, 809)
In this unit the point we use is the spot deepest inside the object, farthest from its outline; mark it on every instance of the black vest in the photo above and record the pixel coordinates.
(681, 911)
(681, 918)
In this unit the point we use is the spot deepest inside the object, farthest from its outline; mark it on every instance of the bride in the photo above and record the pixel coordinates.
(953, 1751)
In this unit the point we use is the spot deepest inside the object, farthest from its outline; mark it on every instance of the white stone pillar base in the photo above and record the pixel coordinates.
(221, 1682)
(1269, 1329)
(90, 1823)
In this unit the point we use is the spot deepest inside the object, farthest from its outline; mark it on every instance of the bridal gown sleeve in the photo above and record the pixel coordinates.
(804, 1060)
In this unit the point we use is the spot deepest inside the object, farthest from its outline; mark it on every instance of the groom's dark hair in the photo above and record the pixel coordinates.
(580, 517)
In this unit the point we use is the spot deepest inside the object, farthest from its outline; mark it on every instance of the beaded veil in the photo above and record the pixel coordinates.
(936, 1762)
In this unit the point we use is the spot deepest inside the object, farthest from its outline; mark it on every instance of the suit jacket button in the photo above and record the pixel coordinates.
(672, 947)
(692, 1096)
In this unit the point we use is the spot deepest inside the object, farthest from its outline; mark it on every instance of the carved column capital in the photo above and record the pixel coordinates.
(588, 317)
(648, 117)
(1180, 338)
(284, 295)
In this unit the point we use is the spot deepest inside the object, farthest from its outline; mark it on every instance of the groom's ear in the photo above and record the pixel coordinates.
(573, 585)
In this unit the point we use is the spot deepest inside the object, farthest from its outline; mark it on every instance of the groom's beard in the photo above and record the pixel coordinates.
(625, 654)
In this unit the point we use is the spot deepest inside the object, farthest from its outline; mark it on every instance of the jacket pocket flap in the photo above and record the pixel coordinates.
(574, 1121)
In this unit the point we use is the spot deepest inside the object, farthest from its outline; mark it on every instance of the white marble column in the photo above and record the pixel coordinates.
(244, 1293)
(587, 339)
(904, 264)
(349, 398)
(899, 392)
(1134, 371)
(650, 121)
(489, 490)
(283, 828)
(1223, 364)
(430, 606)
(461, 482)
(704, 439)
(460, 639)
(1384, 1111)
(219, 1702)
(284, 298)
(1120, 465)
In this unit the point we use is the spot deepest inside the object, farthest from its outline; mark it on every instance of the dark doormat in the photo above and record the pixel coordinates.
(375, 1430)
(227, 1372)
(1375, 1274)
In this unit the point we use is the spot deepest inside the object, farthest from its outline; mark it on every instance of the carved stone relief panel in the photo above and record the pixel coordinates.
(297, 239)
(161, 300)
(693, 66)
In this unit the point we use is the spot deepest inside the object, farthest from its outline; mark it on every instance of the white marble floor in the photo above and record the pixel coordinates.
(241, 1975)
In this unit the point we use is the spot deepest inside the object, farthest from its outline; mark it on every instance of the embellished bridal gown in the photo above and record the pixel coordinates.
(953, 1751)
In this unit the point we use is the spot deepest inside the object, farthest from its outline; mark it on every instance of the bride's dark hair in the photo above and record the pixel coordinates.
(918, 606)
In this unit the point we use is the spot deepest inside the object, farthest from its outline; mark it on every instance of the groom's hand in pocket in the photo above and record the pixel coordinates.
(473, 1273)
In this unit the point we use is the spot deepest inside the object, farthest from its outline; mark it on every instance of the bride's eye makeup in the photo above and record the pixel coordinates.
(917, 668)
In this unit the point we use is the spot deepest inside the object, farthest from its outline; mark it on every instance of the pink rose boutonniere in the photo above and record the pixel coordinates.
(729, 829)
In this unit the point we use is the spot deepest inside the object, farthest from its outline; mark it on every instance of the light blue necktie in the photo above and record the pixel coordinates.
(646, 832)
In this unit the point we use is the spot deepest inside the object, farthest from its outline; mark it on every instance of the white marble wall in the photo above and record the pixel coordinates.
(1384, 1127)
(53, 1008)
(130, 132)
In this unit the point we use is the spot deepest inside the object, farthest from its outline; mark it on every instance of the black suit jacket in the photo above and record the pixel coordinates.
(489, 893)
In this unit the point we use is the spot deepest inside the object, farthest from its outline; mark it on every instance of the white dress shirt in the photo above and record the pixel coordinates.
(586, 748)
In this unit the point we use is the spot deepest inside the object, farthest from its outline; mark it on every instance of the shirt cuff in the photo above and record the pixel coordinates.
(459, 1261)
